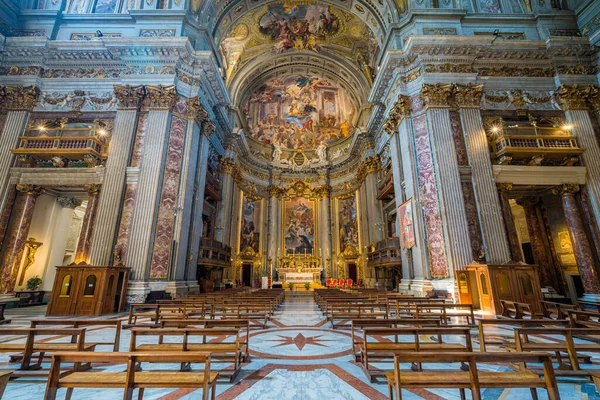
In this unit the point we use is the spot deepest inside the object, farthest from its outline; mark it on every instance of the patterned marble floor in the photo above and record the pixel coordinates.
(298, 357)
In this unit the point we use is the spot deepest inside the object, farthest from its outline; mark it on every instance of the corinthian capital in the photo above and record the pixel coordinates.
(469, 95)
(19, 97)
(594, 97)
(200, 114)
(565, 189)
(68, 202)
(227, 165)
(573, 97)
(436, 95)
(400, 111)
(276, 191)
(323, 191)
(129, 96)
(160, 96)
(30, 189)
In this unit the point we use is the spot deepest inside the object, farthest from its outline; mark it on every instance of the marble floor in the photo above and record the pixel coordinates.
(299, 356)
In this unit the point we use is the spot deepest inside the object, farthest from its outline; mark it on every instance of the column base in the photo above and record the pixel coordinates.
(591, 297)
(137, 291)
(416, 287)
(177, 288)
(447, 284)
(193, 288)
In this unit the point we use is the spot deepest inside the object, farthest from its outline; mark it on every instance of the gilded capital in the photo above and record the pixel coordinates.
(19, 97)
(92, 189)
(565, 189)
(227, 165)
(469, 95)
(30, 189)
(399, 111)
(323, 191)
(275, 191)
(573, 97)
(160, 96)
(594, 97)
(436, 95)
(505, 187)
(129, 96)
(198, 112)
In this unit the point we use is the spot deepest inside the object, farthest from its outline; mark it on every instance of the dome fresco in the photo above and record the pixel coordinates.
(299, 111)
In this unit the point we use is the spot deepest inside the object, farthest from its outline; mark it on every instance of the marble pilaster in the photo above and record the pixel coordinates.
(14, 244)
(227, 167)
(111, 198)
(531, 206)
(87, 227)
(376, 224)
(579, 239)
(274, 245)
(324, 193)
(488, 206)
(516, 253)
(452, 205)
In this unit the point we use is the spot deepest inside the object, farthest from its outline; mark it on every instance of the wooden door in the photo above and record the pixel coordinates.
(88, 292)
(528, 288)
(108, 304)
(464, 288)
(485, 296)
(352, 273)
(64, 292)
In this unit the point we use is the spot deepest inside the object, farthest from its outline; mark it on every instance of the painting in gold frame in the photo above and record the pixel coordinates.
(299, 226)
(407, 231)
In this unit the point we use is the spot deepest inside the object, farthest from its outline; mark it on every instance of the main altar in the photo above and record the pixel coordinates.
(299, 268)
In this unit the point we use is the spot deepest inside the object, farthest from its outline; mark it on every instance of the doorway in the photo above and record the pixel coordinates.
(352, 274)
(247, 275)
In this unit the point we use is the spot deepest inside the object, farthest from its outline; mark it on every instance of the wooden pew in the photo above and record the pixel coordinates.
(554, 310)
(474, 379)
(142, 311)
(350, 312)
(515, 310)
(222, 351)
(85, 323)
(260, 313)
(383, 351)
(361, 324)
(584, 319)
(446, 311)
(589, 306)
(34, 344)
(131, 378)
(519, 323)
(241, 324)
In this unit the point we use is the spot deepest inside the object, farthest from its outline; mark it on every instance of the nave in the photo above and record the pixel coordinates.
(298, 355)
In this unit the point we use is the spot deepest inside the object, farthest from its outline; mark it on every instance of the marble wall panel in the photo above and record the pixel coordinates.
(125, 223)
(473, 220)
(459, 141)
(138, 145)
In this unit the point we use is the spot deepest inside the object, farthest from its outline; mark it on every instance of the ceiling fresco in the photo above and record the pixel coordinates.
(309, 27)
(299, 111)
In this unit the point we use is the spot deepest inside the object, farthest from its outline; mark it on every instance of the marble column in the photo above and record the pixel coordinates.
(516, 253)
(454, 219)
(159, 101)
(531, 206)
(113, 186)
(324, 194)
(18, 101)
(227, 167)
(468, 97)
(14, 244)
(376, 225)
(581, 243)
(87, 227)
(274, 244)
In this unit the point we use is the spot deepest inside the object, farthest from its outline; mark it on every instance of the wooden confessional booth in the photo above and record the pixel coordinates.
(485, 285)
(88, 290)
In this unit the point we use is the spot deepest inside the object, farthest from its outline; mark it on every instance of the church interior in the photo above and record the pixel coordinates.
(300, 199)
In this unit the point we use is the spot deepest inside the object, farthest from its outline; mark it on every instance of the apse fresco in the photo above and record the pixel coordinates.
(299, 226)
(348, 224)
(250, 235)
(298, 26)
(299, 111)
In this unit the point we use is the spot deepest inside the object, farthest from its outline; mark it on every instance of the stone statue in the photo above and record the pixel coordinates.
(277, 151)
(321, 152)
(366, 68)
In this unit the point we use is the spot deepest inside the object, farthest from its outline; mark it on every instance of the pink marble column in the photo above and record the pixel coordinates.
(581, 243)
(509, 222)
(14, 243)
(87, 226)
(536, 236)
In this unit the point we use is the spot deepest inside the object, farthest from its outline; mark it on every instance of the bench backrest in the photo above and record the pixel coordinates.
(184, 333)
(416, 333)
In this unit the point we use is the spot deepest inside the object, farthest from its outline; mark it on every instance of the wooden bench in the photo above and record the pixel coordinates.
(132, 378)
(34, 343)
(142, 311)
(589, 306)
(522, 323)
(515, 310)
(554, 310)
(446, 311)
(361, 324)
(584, 319)
(4, 378)
(3, 319)
(86, 323)
(349, 312)
(474, 379)
(260, 313)
(223, 351)
(242, 324)
(383, 351)
(568, 346)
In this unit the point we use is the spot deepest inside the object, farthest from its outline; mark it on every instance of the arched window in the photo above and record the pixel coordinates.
(503, 284)
(65, 287)
(90, 286)
(527, 285)
(484, 288)
(462, 283)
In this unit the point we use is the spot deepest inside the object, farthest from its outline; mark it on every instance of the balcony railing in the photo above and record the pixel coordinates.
(66, 147)
(534, 146)
(214, 253)
(385, 253)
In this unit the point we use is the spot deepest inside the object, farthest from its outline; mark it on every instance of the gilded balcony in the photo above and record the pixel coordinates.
(63, 144)
(531, 144)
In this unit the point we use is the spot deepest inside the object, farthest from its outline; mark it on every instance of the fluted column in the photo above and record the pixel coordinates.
(454, 219)
(275, 193)
(111, 197)
(226, 167)
(488, 207)
(14, 243)
(531, 206)
(516, 254)
(159, 101)
(18, 101)
(581, 243)
(87, 227)
(374, 208)
(324, 194)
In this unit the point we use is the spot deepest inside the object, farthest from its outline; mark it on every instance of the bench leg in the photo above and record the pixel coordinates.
(390, 391)
(140, 393)
(534, 395)
(596, 380)
(462, 394)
